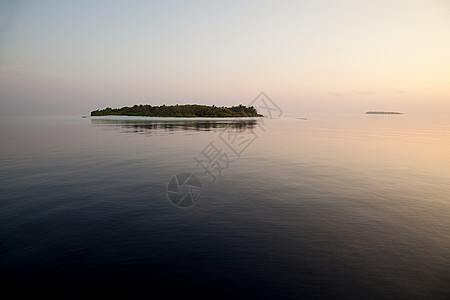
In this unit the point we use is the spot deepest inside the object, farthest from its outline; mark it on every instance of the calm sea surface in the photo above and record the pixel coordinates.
(335, 207)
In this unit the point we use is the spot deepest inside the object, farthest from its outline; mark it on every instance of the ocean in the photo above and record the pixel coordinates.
(335, 206)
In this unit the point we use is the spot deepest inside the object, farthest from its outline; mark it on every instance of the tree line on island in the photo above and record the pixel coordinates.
(188, 110)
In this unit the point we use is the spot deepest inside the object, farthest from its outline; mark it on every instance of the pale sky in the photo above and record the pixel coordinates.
(73, 57)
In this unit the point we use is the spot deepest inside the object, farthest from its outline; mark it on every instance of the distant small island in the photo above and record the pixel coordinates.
(182, 111)
(384, 113)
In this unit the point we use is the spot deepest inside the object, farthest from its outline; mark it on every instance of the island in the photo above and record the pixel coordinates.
(383, 113)
(182, 111)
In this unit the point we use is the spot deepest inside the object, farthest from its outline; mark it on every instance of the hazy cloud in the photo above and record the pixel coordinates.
(336, 94)
(395, 91)
(365, 92)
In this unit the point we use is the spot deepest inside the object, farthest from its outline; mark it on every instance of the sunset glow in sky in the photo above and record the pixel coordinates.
(309, 56)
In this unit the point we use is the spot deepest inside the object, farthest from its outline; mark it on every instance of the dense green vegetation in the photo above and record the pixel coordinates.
(188, 110)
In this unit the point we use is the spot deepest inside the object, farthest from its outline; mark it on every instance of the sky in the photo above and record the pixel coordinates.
(348, 56)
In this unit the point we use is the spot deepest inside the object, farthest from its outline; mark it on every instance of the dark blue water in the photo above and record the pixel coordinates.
(340, 207)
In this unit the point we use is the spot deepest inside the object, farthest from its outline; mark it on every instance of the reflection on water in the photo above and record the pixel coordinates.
(336, 207)
(153, 126)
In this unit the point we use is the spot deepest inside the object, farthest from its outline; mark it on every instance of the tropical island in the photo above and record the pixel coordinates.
(182, 111)
(384, 113)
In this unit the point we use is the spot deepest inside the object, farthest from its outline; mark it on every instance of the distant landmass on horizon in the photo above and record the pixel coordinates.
(384, 113)
(186, 111)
